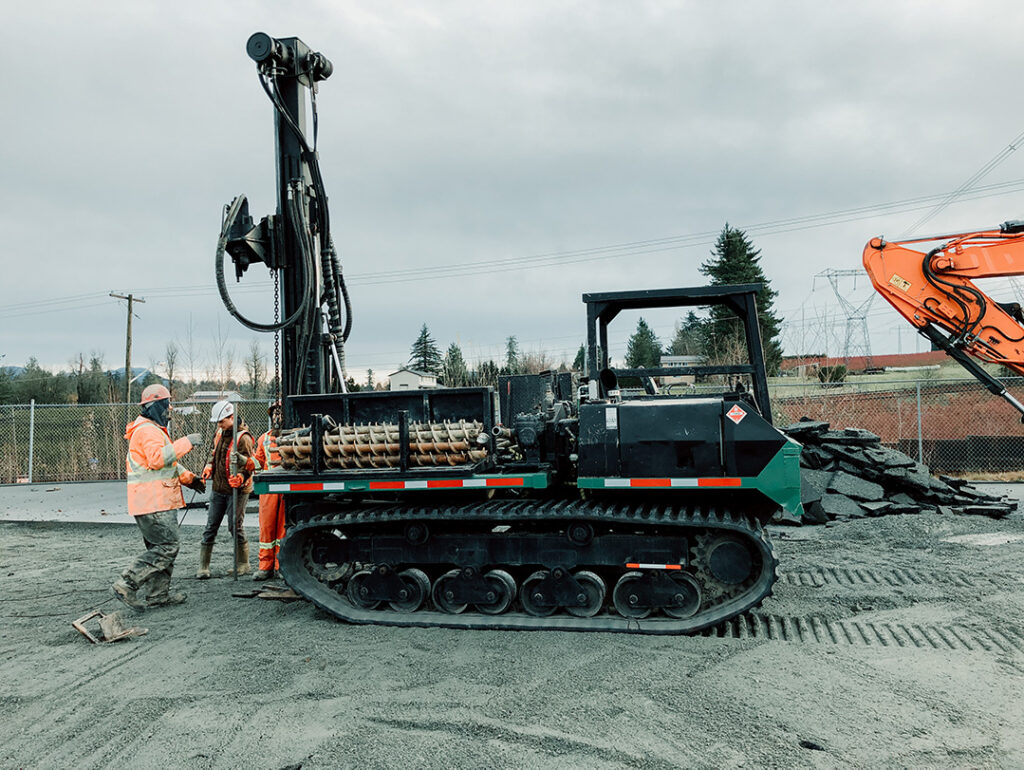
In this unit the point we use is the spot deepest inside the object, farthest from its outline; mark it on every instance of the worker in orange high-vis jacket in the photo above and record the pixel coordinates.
(230, 468)
(271, 506)
(154, 496)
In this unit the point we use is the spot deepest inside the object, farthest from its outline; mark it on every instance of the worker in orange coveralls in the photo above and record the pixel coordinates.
(154, 496)
(271, 506)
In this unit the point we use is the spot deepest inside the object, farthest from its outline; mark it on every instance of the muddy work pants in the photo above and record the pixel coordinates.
(160, 534)
(219, 505)
(271, 530)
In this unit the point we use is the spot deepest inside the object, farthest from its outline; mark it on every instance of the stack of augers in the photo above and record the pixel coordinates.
(378, 446)
(848, 474)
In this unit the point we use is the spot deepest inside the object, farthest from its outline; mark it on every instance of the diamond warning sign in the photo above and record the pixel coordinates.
(736, 414)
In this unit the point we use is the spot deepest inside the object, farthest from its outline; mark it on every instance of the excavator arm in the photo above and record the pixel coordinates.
(934, 289)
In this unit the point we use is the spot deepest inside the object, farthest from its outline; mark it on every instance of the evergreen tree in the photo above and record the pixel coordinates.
(580, 361)
(735, 260)
(513, 365)
(454, 373)
(425, 355)
(689, 337)
(643, 348)
(369, 379)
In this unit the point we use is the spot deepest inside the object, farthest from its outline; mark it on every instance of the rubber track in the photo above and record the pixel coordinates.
(815, 629)
(891, 577)
(507, 511)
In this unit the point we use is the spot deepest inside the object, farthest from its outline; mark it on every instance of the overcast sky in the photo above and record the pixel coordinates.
(473, 134)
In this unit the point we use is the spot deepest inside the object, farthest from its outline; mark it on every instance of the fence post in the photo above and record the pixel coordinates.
(920, 438)
(31, 435)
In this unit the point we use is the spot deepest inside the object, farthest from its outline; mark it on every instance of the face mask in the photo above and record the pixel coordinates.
(158, 411)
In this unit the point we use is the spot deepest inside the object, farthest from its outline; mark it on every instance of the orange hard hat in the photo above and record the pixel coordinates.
(154, 393)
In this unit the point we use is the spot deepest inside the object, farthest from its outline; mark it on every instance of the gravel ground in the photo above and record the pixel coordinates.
(893, 641)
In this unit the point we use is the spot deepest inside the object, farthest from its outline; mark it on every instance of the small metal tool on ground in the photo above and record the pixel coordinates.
(111, 627)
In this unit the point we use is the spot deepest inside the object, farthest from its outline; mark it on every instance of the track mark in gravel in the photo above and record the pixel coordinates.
(103, 671)
(820, 576)
(533, 737)
(856, 633)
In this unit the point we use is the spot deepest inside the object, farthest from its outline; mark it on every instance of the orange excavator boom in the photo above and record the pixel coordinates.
(932, 286)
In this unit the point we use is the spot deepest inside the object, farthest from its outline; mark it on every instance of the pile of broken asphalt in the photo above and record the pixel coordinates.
(849, 474)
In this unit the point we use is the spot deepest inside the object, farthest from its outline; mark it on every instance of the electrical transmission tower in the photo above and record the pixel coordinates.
(857, 341)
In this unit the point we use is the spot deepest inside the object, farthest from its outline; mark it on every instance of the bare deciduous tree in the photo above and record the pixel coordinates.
(255, 368)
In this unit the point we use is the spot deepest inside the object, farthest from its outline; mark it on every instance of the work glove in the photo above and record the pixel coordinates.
(195, 439)
(207, 472)
(236, 481)
(198, 485)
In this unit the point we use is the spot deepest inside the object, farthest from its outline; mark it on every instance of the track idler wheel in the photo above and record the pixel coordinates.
(594, 591)
(443, 593)
(503, 587)
(414, 591)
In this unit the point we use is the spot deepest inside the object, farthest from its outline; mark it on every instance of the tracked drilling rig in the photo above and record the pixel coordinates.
(556, 501)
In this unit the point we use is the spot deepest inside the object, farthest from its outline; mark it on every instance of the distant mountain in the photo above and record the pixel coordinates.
(12, 371)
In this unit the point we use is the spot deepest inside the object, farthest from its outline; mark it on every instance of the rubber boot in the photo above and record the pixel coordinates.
(242, 566)
(205, 552)
(159, 594)
(262, 574)
(125, 589)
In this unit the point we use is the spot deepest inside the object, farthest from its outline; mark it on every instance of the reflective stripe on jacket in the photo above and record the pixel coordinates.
(267, 455)
(154, 476)
(221, 466)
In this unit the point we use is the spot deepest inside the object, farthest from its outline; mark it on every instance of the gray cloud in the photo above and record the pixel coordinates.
(469, 132)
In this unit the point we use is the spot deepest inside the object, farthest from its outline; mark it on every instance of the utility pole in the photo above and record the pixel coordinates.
(128, 345)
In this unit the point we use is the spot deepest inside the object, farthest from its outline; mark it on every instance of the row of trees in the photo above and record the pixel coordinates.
(716, 335)
(452, 370)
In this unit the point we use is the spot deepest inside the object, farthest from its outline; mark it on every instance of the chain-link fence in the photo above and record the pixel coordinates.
(953, 426)
(85, 442)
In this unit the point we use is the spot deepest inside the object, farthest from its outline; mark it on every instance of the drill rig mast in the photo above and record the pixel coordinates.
(295, 242)
(934, 289)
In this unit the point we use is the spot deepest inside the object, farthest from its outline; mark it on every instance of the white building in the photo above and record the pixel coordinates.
(411, 379)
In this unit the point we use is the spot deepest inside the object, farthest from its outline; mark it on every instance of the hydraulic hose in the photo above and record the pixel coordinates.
(229, 220)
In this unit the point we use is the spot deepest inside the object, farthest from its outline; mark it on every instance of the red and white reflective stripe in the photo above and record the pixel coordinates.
(644, 565)
(672, 483)
(341, 486)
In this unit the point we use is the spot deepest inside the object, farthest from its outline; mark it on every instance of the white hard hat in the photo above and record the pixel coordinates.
(221, 410)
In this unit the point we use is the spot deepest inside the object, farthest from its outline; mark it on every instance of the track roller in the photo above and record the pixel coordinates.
(358, 591)
(415, 586)
(534, 601)
(444, 595)
(595, 591)
(503, 586)
(628, 596)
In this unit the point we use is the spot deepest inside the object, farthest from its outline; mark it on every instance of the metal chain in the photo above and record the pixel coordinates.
(277, 333)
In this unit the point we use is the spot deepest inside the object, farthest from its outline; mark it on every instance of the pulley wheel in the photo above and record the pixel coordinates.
(626, 596)
(416, 585)
(357, 592)
(442, 595)
(595, 591)
(533, 601)
(686, 600)
(504, 587)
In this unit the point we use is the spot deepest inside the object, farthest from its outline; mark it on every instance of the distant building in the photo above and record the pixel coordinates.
(680, 379)
(412, 379)
(212, 396)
